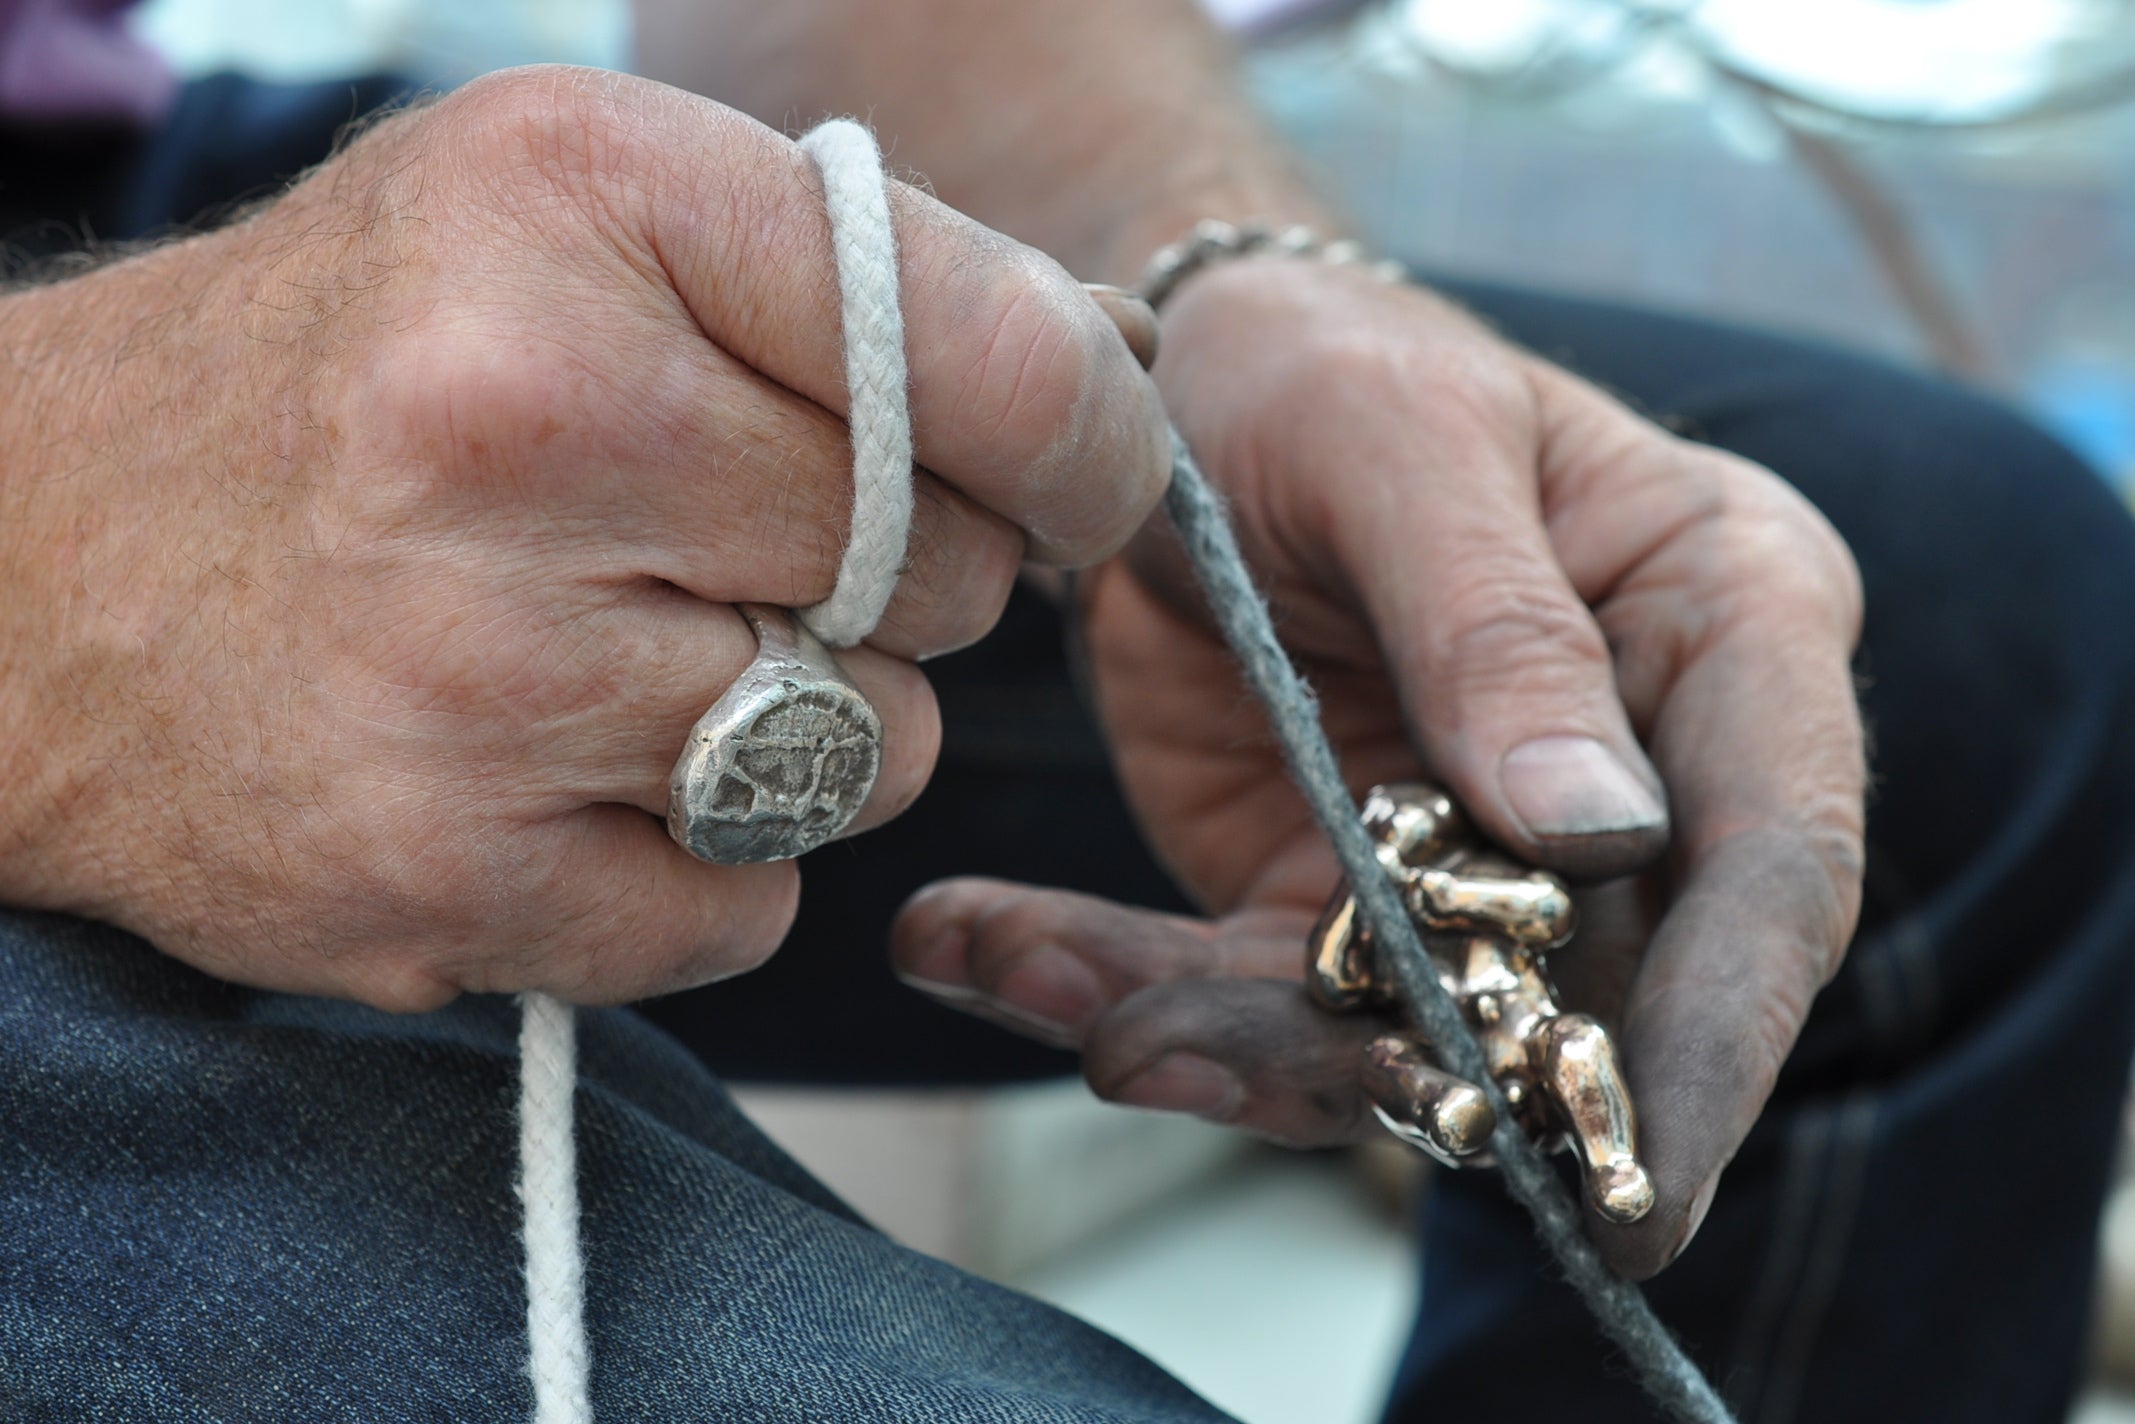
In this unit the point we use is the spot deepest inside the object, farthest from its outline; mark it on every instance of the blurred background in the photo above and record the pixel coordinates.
(1946, 182)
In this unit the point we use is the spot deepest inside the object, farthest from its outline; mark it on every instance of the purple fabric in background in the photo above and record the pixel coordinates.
(71, 61)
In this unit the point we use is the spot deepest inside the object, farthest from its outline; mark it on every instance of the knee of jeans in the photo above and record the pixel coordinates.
(1969, 520)
(1999, 688)
(1999, 571)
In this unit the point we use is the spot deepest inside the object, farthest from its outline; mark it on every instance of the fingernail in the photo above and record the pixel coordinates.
(1699, 1205)
(943, 967)
(1575, 786)
(1135, 318)
(1188, 1083)
(1054, 988)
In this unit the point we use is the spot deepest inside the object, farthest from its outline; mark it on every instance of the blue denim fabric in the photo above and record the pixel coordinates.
(223, 1205)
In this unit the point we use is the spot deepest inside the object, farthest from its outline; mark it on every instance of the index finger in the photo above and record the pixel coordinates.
(1023, 393)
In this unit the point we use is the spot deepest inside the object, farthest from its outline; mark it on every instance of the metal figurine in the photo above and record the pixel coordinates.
(1488, 922)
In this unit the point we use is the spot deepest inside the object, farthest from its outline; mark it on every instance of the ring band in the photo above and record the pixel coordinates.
(783, 761)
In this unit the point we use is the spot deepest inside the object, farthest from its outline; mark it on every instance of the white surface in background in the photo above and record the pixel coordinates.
(421, 39)
(1273, 1283)
(1952, 57)
(1956, 56)
(1280, 1291)
(996, 1181)
(1507, 33)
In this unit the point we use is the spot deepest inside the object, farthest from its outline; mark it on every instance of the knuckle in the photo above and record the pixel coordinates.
(494, 665)
(1841, 573)
(1468, 394)
(1006, 933)
(1473, 385)
(1779, 544)
(502, 98)
(1025, 384)
(551, 125)
(1505, 632)
(1050, 397)
(457, 399)
(1357, 356)
(1002, 942)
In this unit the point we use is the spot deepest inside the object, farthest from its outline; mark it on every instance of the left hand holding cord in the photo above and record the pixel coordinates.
(1500, 578)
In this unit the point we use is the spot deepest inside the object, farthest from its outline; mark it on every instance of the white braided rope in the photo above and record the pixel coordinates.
(856, 194)
(557, 1356)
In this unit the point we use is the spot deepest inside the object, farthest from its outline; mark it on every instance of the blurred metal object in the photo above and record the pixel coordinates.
(784, 759)
(1487, 923)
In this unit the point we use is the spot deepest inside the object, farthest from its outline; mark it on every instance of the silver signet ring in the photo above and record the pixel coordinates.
(782, 761)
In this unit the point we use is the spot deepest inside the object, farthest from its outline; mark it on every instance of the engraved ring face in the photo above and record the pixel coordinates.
(782, 761)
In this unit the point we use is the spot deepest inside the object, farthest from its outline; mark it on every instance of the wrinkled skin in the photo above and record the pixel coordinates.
(1470, 551)
(366, 563)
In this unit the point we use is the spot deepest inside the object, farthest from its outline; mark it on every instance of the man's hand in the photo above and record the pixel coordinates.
(1499, 577)
(364, 566)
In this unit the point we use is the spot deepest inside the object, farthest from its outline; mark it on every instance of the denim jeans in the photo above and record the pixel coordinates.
(217, 1204)
(221, 1205)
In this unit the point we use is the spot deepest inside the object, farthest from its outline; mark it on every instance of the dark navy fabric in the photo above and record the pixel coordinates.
(264, 1208)
(221, 1205)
